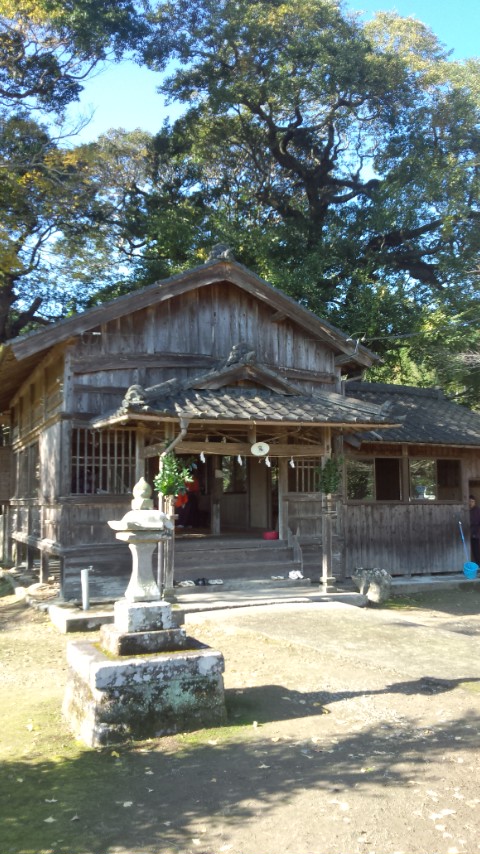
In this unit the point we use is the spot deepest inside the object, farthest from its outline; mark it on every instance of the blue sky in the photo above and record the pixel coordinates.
(125, 95)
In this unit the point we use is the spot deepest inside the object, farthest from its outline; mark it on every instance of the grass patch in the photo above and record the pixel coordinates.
(401, 603)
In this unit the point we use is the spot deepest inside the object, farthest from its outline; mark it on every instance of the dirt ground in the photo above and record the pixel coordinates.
(351, 731)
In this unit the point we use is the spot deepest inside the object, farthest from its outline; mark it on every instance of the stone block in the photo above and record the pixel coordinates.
(375, 584)
(136, 643)
(143, 616)
(107, 702)
(68, 619)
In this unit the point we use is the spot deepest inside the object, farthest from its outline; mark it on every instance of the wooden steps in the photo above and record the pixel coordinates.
(231, 558)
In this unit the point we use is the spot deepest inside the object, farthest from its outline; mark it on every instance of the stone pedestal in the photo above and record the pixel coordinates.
(173, 684)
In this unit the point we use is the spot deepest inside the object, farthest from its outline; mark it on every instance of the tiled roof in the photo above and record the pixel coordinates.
(256, 404)
(426, 416)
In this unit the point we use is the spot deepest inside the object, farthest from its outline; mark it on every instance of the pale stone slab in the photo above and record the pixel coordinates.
(102, 673)
(68, 619)
(138, 643)
(143, 616)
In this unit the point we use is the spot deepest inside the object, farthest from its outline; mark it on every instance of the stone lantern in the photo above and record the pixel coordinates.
(142, 528)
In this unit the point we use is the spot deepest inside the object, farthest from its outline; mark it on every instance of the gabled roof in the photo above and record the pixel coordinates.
(20, 354)
(425, 415)
(272, 401)
(240, 367)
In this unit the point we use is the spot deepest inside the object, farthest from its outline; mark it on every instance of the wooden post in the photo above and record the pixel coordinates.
(168, 552)
(44, 565)
(327, 581)
(217, 489)
(282, 504)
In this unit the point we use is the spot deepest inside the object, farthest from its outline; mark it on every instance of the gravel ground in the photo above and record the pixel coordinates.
(352, 731)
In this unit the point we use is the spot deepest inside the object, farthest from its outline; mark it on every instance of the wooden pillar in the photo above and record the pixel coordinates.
(282, 504)
(168, 549)
(327, 581)
(44, 565)
(29, 558)
(140, 455)
(405, 475)
(217, 491)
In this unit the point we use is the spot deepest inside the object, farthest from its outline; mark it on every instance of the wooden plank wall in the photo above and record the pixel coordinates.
(188, 335)
(304, 513)
(404, 539)
(85, 521)
(6, 473)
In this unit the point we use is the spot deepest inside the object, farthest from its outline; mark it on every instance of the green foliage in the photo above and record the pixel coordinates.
(329, 476)
(47, 47)
(172, 476)
(338, 159)
(53, 238)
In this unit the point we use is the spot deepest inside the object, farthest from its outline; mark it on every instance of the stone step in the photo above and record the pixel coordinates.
(191, 541)
(230, 557)
(228, 572)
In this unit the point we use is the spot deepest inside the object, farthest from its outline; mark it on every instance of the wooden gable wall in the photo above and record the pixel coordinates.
(186, 336)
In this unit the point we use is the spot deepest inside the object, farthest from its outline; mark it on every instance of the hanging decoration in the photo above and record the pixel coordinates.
(267, 462)
(239, 460)
(202, 457)
(260, 449)
(292, 463)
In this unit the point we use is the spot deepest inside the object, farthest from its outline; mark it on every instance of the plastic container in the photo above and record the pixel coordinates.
(470, 569)
(270, 535)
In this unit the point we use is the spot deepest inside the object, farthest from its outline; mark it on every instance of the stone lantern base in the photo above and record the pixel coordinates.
(146, 678)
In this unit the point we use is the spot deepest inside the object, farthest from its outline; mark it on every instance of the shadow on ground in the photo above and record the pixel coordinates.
(140, 797)
(259, 702)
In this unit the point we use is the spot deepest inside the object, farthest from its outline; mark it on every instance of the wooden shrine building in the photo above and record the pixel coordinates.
(222, 365)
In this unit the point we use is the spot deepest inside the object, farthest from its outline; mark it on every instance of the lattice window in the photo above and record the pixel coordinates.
(28, 472)
(102, 461)
(304, 477)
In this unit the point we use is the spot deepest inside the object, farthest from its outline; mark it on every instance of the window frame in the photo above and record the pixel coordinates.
(406, 496)
(104, 461)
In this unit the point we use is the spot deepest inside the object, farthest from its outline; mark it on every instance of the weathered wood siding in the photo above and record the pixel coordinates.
(405, 539)
(191, 333)
(304, 513)
(84, 521)
(50, 461)
(40, 399)
(6, 473)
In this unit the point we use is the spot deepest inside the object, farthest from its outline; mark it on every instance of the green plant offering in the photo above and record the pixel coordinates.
(330, 475)
(173, 476)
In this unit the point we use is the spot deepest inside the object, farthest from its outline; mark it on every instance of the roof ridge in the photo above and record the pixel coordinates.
(395, 388)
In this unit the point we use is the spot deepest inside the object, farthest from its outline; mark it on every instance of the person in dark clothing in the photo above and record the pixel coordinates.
(474, 529)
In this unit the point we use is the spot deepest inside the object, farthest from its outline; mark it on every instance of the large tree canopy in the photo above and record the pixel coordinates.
(51, 205)
(361, 143)
(48, 47)
(339, 159)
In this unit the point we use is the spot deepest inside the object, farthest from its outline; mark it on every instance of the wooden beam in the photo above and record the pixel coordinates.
(310, 376)
(90, 388)
(121, 361)
(278, 317)
(232, 449)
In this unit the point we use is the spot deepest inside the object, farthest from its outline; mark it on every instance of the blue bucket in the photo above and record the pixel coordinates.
(470, 569)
